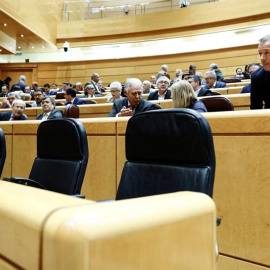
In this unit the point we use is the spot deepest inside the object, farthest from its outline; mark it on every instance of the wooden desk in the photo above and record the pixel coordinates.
(51, 231)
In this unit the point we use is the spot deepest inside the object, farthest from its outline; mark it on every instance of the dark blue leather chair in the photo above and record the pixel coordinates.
(167, 151)
(62, 157)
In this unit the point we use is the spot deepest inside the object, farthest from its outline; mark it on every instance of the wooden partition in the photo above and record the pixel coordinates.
(241, 188)
(51, 231)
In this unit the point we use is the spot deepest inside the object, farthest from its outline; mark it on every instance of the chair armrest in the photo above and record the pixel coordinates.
(25, 181)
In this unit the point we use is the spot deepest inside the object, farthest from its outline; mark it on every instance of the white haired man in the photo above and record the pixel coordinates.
(164, 71)
(133, 103)
(18, 107)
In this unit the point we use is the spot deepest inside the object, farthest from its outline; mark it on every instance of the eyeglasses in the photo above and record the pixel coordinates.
(162, 82)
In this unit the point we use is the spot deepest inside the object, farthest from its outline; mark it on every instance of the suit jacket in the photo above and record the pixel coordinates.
(76, 101)
(54, 114)
(51, 93)
(143, 106)
(2, 95)
(246, 89)
(204, 92)
(5, 116)
(21, 84)
(218, 85)
(260, 85)
(154, 95)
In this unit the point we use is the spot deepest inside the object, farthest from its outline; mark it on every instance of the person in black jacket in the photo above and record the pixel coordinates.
(18, 107)
(195, 82)
(162, 93)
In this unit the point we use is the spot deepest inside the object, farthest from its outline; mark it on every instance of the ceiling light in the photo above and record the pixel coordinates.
(19, 47)
(0, 50)
(33, 47)
(5, 24)
(43, 47)
(22, 35)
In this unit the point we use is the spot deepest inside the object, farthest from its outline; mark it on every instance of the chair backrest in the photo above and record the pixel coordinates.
(90, 101)
(215, 93)
(60, 95)
(2, 150)
(167, 151)
(62, 155)
(232, 80)
(72, 111)
(217, 104)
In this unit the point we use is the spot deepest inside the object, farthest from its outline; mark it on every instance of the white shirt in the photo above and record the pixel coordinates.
(161, 97)
(45, 116)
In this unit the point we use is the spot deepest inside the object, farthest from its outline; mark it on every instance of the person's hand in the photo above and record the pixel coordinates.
(125, 112)
(5, 103)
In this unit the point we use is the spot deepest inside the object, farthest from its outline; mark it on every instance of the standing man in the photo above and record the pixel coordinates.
(164, 71)
(21, 83)
(133, 103)
(70, 96)
(18, 107)
(49, 111)
(195, 82)
(260, 79)
(94, 82)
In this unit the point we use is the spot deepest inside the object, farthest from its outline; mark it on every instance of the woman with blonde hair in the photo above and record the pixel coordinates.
(183, 96)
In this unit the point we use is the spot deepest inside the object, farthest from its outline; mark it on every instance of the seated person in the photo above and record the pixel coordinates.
(133, 103)
(162, 93)
(115, 91)
(146, 87)
(185, 76)
(18, 107)
(211, 81)
(47, 91)
(101, 87)
(4, 91)
(70, 96)
(38, 96)
(195, 82)
(252, 67)
(49, 111)
(183, 96)
(7, 103)
(89, 92)
(239, 73)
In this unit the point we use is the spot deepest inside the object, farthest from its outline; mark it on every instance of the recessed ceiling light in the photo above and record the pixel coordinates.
(5, 24)
(33, 47)
(42, 47)
(22, 35)
(19, 47)
(0, 50)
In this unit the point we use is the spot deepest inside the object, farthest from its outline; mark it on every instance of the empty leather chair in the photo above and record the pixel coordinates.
(62, 157)
(167, 151)
(217, 104)
(60, 95)
(90, 101)
(72, 111)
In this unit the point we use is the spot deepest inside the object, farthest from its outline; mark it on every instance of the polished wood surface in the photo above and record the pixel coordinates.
(132, 234)
(23, 211)
(39, 228)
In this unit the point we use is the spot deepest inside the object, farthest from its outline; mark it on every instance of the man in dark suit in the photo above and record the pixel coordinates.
(251, 68)
(18, 107)
(47, 91)
(133, 103)
(70, 96)
(211, 81)
(4, 91)
(49, 111)
(195, 82)
(260, 79)
(162, 93)
(21, 83)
